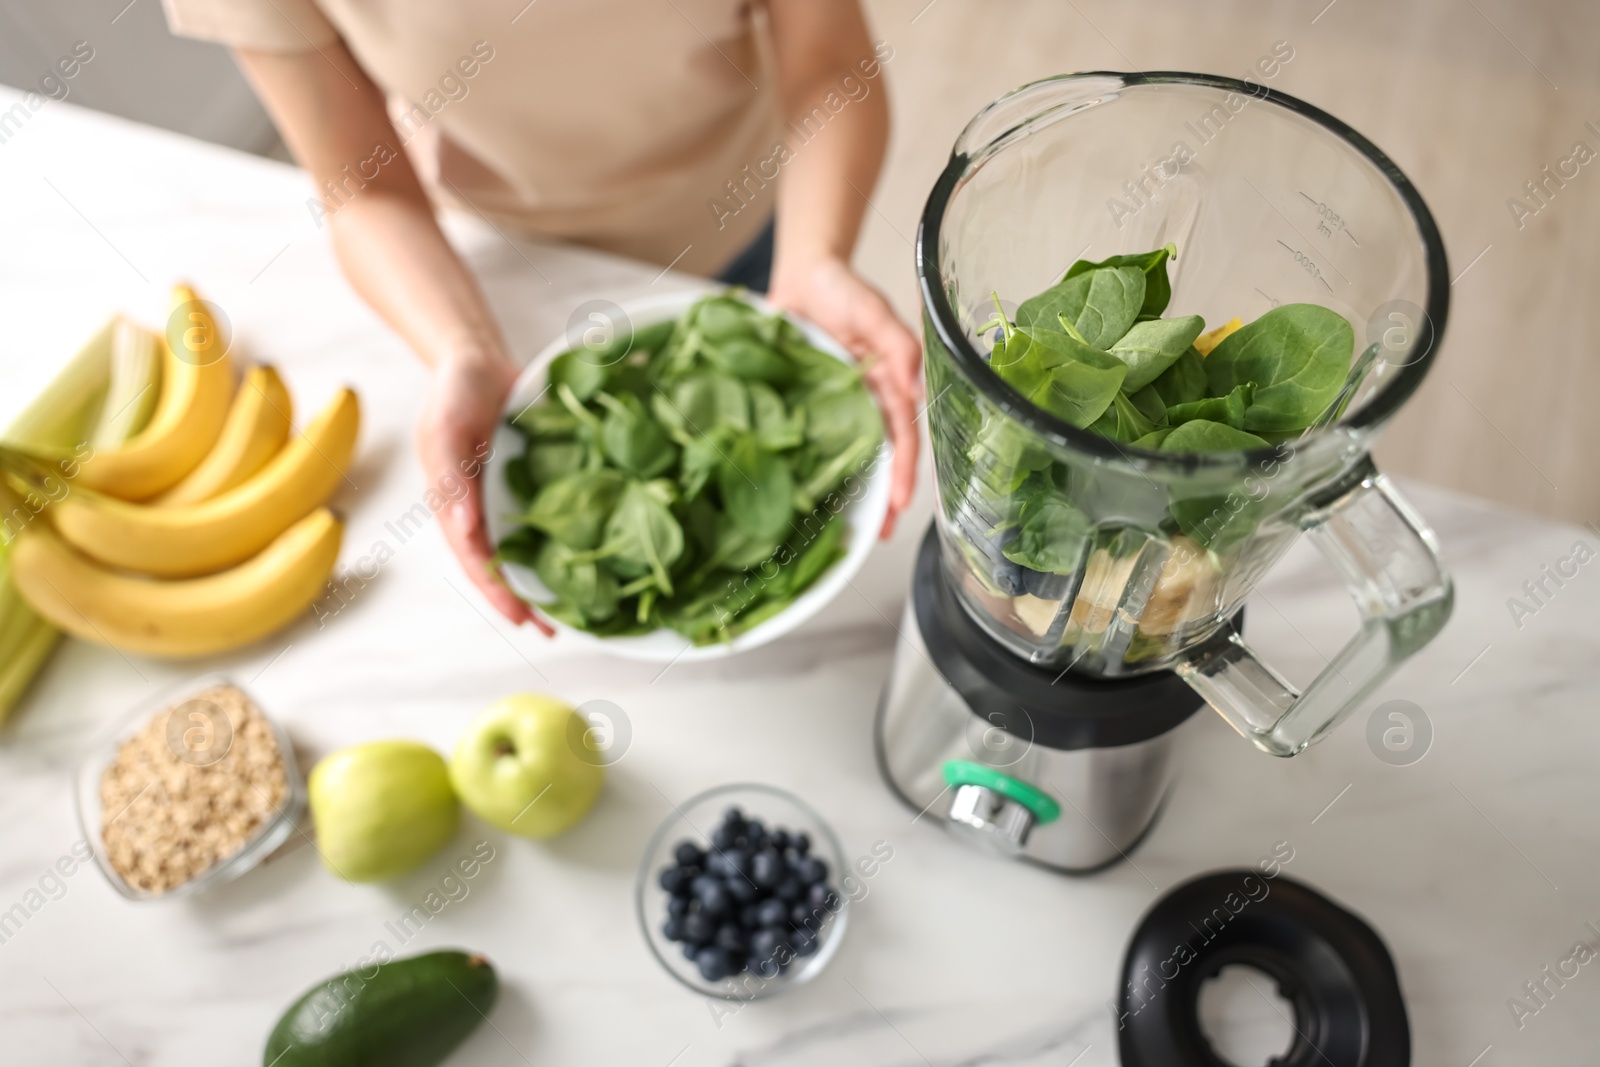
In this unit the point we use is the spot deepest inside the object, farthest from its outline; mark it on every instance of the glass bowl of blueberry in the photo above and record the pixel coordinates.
(737, 894)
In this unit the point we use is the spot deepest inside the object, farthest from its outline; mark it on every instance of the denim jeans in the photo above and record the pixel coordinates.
(752, 268)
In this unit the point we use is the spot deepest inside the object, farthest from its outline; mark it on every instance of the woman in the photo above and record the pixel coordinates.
(652, 128)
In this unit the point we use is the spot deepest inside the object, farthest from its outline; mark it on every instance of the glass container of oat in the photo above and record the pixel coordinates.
(197, 787)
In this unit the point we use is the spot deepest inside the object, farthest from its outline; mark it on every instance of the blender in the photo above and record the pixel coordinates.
(1034, 712)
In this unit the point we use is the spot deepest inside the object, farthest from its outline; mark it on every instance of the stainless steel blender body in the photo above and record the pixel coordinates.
(1058, 769)
(1111, 795)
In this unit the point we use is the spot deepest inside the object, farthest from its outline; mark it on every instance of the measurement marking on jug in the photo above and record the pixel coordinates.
(1480, 1055)
(1308, 264)
(1330, 221)
(1270, 298)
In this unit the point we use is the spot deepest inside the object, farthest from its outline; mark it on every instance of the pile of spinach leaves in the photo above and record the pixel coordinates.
(681, 476)
(1095, 351)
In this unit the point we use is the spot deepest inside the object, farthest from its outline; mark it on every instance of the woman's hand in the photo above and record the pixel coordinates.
(830, 294)
(454, 438)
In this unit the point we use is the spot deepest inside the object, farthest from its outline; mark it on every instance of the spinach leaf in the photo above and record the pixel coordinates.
(1228, 409)
(1183, 382)
(1202, 435)
(1101, 304)
(632, 439)
(751, 360)
(1153, 439)
(723, 318)
(1157, 286)
(1296, 354)
(521, 547)
(520, 481)
(1052, 534)
(573, 510)
(1002, 455)
(699, 460)
(549, 461)
(641, 531)
(836, 421)
(546, 420)
(701, 405)
(580, 371)
(776, 428)
(585, 589)
(811, 559)
(1131, 422)
(757, 488)
(1150, 348)
(1071, 380)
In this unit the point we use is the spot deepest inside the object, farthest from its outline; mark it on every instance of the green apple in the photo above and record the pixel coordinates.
(381, 809)
(516, 769)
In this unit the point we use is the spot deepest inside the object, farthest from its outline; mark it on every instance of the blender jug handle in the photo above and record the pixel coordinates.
(1389, 560)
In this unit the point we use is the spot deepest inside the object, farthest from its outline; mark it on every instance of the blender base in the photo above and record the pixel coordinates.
(1062, 771)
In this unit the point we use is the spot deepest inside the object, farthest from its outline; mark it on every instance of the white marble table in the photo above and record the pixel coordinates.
(1477, 864)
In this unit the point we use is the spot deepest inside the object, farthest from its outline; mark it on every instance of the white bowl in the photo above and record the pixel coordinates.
(865, 514)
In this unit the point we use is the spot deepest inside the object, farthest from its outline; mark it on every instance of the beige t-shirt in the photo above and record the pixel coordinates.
(615, 123)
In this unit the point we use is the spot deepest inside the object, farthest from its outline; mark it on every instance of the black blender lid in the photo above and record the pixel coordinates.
(1332, 966)
(1047, 706)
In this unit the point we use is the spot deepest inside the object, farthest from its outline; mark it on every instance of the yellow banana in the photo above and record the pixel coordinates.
(183, 618)
(258, 424)
(180, 542)
(196, 384)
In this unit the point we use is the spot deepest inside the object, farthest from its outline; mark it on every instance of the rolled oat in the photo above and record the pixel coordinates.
(190, 789)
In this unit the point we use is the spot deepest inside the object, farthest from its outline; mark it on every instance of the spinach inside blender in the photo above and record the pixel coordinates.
(1095, 351)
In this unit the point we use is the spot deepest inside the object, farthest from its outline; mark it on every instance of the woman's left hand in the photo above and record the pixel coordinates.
(830, 294)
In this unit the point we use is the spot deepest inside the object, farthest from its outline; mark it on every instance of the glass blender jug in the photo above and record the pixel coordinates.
(1268, 201)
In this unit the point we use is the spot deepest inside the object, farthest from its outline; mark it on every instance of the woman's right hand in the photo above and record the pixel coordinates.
(455, 436)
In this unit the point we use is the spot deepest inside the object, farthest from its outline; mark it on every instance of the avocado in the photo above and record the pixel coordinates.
(411, 1012)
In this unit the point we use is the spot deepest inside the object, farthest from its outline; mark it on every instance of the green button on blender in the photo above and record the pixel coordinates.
(960, 772)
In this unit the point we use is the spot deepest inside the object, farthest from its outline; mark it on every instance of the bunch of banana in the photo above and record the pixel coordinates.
(202, 532)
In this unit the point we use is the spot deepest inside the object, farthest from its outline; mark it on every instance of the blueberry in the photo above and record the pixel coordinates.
(1007, 577)
(766, 868)
(672, 929)
(733, 817)
(789, 890)
(811, 871)
(800, 841)
(1045, 586)
(699, 927)
(732, 938)
(801, 914)
(740, 889)
(778, 839)
(724, 837)
(821, 897)
(755, 829)
(677, 907)
(750, 917)
(690, 950)
(762, 967)
(712, 893)
(688, 854)
(714, 963)
(804, 941)
(733, 862)
(769, 945)
(772, 912)
(673, 881)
